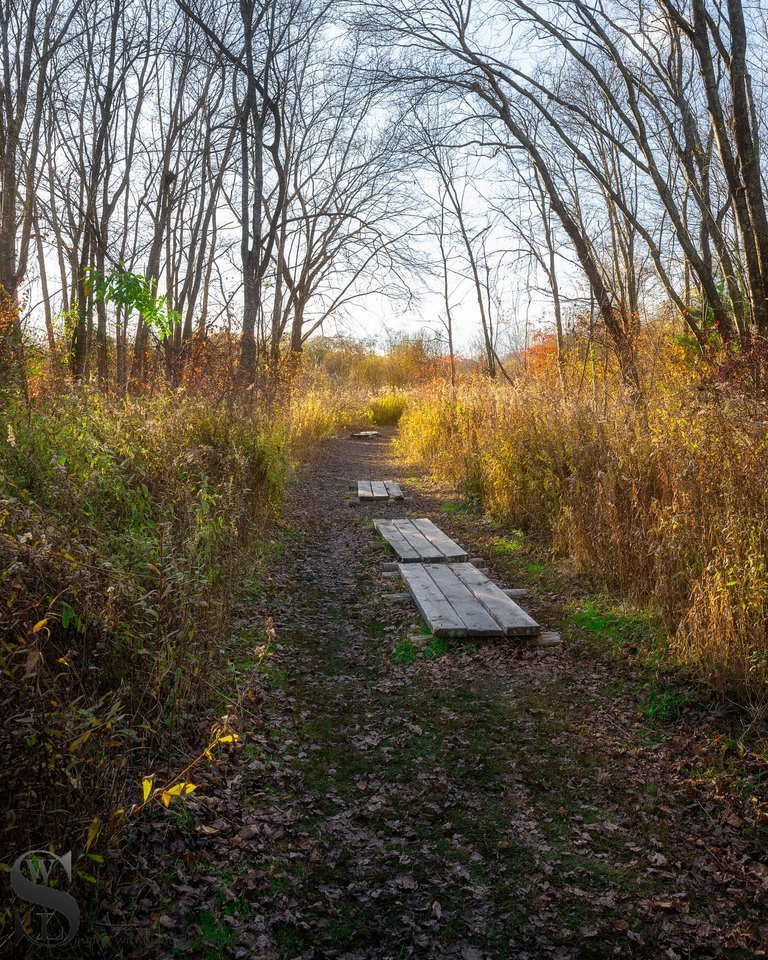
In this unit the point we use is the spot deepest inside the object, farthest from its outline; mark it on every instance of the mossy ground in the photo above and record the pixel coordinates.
(406, 797)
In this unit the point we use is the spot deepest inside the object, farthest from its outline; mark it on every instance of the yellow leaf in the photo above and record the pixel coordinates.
(146, 786)
(39, 625)
(83, 738)
(181, 788)
(166, 797)
(93, 832)
(229, 738)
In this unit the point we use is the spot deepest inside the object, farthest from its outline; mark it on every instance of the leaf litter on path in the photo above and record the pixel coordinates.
(491, 802)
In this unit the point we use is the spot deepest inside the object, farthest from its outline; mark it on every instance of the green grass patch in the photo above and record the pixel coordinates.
(614, 625)
(664, 703)
(509, 545)
(405, 652)
(387, 409)
(216, 937)
(437, 647)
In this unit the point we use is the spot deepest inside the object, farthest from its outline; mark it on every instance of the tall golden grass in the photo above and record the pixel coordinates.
(130, 530)
(126, 530)
(666, 505)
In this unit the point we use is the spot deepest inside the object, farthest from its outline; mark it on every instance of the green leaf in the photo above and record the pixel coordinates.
(67, 615)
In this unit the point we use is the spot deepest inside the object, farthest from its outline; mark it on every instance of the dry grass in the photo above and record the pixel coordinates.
(387, 409)
(666, 506)
(126, 529)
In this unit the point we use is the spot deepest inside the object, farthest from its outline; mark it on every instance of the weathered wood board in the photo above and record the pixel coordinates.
(457, 600)
(476, 618)
(378, 490)
(513, 620)
(364, 491)
(419, 540)
(396, 540)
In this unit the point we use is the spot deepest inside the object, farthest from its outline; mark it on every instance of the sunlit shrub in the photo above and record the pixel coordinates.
(387, 408)
(125, 530)
(665, 504)
(318, 410)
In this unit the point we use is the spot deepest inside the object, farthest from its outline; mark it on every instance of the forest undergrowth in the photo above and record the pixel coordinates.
(663, 502)
(131, 529)
(135, 530)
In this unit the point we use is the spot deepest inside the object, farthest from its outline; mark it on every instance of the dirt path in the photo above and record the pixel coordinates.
(391, 800)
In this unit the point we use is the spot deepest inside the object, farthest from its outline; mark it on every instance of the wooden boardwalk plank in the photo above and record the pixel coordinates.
(513, 620)
(414, 536)
(427, 542)
(379, 490)
(434, 607)
(397, 541)
(447, 547)
(457, 600)
(478, 621)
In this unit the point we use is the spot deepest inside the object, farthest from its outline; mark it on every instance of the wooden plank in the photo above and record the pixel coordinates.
(437, 611)
(364, 491)
(447, 547)
(397, 541)
(477, 620)
(513, 620)
(378, 490)
(548, 639)
(401, 532)
(393, 489)
(425, 549)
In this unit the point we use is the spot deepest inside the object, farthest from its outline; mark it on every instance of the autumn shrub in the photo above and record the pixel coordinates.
(387, 408)
(667, 505)
(316, 408)
(126, 528)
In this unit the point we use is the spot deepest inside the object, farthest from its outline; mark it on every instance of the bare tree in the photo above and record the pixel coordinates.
(31, 34)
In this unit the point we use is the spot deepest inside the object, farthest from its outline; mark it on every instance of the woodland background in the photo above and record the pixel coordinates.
(192, 194)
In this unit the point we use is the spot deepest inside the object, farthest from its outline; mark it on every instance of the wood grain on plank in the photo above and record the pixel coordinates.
(449, 548)
(477, 620)
(512, 619)
(364, 489)
(397, 541)
(393, 489)
(434, 607)
(414, 536)
(378, 490)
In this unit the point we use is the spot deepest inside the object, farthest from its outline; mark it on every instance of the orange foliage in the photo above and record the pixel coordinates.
(541, 356)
